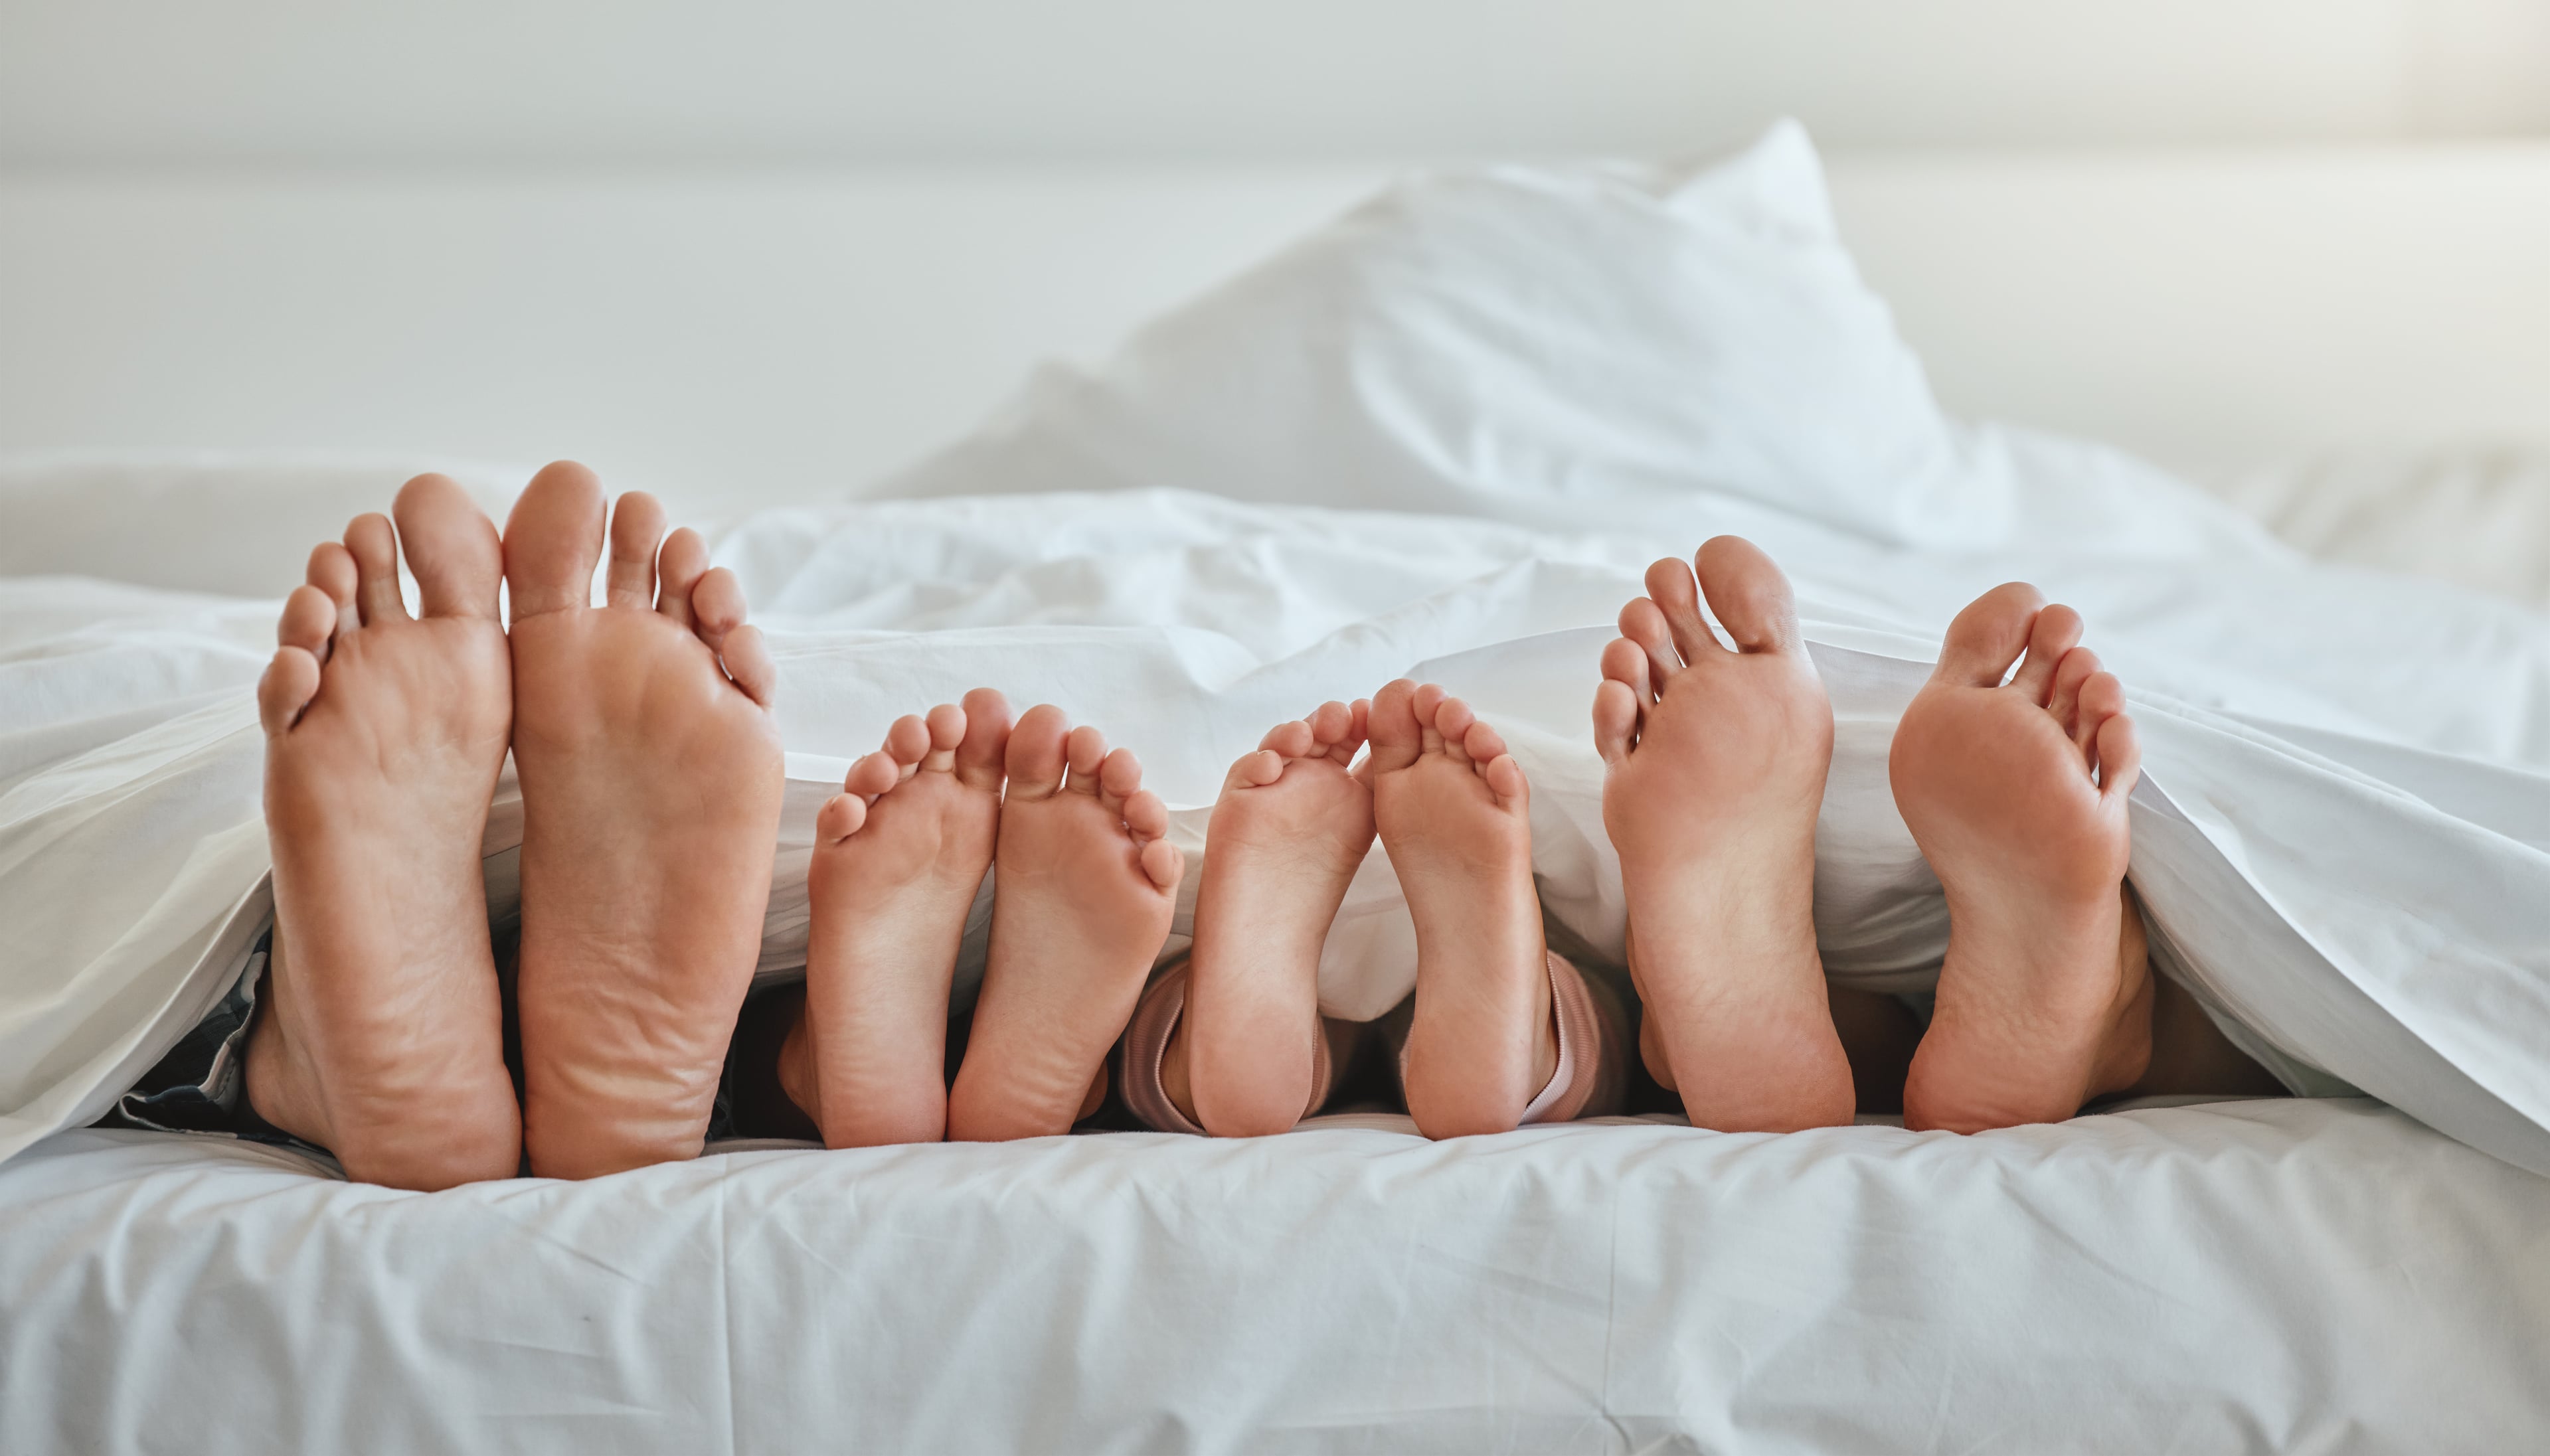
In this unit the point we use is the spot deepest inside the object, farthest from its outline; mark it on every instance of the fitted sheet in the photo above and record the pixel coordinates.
(2284, 1275)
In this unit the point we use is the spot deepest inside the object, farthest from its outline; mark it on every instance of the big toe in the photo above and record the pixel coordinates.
(1397, 737)
(1035, 756)
(1749, 593)
(1988, 637)
(980, 759)
(452, 547)
(554, 540)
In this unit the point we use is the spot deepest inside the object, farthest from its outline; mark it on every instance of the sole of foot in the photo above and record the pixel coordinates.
(898, 857)
(382, 1037)
(651, 777)
(1455, 816)
(2015, 792)
(1714, 761)
(1287, 836)
(1083, 889)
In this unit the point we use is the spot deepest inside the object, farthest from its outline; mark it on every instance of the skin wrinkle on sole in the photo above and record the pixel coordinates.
(1716, 755)
(385, 735)
(2011, 768)
(651, 778)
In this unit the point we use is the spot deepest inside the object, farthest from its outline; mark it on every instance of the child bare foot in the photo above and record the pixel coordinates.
(382, 1037)
(899, 856)
(1287, 836)
(1716, 763)
(1083, 889)
(651, 777)
(2016, 795)
(1454, 816)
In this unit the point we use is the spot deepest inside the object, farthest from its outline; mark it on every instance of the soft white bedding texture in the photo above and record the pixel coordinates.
(1529, 383)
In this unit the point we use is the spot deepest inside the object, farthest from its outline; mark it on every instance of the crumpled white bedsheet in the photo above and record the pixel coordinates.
(2263, 1275)
(2273, 1274)
(2364, 914)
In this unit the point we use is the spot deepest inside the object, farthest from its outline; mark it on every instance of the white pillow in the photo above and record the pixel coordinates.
(1575, 344)
(2476, 518)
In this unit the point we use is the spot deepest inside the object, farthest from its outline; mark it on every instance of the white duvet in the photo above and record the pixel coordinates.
(1503, 395)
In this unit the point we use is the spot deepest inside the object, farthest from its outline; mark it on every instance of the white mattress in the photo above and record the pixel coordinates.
(2286, 1276)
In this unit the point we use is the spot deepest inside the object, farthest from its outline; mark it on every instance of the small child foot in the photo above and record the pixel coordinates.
(1714, 771)
(2016, 795)
(1083, 889)
(899, 856)
(1454, 814)
(1290, 830)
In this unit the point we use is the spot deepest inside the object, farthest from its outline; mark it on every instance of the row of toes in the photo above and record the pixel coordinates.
(2011, 638)
(1034, 759)
(1335, 732)
(553, 543)
(452, 551)
(1746, 591)
(1409, 720)
(1664, 633)
(560, 530)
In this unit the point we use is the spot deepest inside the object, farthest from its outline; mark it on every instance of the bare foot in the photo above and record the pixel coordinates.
(1454, 814)
(1287, 836)
(382, 1038)
(899, 856)
(2017, 795)
(651, 776)
(1716, 763)
(1083, 889)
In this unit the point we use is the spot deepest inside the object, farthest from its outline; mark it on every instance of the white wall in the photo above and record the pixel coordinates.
(765, 337)
(423, 230)
(471, 82)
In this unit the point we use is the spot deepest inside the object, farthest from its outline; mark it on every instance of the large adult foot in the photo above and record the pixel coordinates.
(1083, 889)
(2016, 795)
(898, 857)
(651, 776)
(382, 1036)
(1288, 834)
(1715, 769)
(1454, 814)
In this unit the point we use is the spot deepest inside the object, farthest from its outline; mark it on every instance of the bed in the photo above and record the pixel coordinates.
(1290, 487)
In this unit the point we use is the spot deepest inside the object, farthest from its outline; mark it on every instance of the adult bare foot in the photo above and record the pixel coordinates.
(899, 856)
(1714, 770)
(1083, 889)
(2016, 795)
(382, 1036)
(651, 776)
(1454, 814)
(1289, 831)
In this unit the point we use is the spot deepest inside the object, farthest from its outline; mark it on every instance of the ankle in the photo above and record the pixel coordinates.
(1176, 1080)
(1545, 1042)
(2127, 1053)
(280, 1086)
(796, 1069)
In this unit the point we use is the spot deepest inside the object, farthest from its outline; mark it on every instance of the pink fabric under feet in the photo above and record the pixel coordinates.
(1589, 1081)
(1592, 1079)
